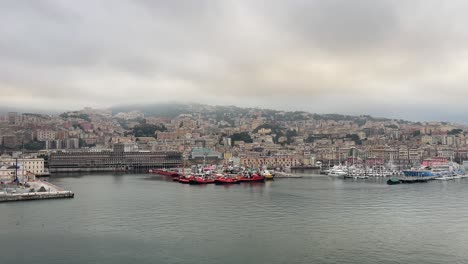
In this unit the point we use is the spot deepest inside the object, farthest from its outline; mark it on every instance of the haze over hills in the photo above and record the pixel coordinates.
(173, 109)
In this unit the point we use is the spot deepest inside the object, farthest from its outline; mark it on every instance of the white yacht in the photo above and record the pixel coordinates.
(338, 171)
(444, 178)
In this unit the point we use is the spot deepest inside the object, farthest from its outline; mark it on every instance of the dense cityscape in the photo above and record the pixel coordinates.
(227, 135)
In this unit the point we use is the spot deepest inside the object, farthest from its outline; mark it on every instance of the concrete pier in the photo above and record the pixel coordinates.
(49, 191)
(14, 197)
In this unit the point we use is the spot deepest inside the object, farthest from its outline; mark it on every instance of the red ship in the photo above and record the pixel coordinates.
(201, 180)
(184, 179)
(253, 178)
(225, 180)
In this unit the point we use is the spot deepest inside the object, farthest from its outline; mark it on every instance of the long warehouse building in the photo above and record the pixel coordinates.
(115, 160)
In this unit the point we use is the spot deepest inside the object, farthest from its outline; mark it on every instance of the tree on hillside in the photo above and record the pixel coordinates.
(416, 133)
(75, 115)
(455, 131)
(290, 134)
(243, 136)
(34, 145)
(147, 130)
(274, 128)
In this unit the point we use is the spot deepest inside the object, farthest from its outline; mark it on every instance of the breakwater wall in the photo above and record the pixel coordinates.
(35, 196)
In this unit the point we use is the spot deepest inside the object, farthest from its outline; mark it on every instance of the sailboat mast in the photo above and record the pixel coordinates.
(23, 170)
(16, 170)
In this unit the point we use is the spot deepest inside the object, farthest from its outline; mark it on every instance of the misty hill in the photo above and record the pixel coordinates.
(18, 109)
(172, 110)
(163, 109)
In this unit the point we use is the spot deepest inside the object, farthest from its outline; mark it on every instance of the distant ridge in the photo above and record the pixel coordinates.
(172, 110)
(6, 109)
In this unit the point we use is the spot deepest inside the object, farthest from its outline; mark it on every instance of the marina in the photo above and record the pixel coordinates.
(430, 169)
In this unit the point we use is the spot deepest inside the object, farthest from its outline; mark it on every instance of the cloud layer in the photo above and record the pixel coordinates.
(400, 58)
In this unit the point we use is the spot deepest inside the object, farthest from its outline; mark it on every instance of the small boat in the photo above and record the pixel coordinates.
(393, 181)
(184, 179)
(201, 180)
(267, 175)
(226, 180)
(415, 180)
(337, 172)
(444, 178)
(253, 178)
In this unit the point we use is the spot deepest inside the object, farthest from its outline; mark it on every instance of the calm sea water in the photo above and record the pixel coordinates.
(141, 218)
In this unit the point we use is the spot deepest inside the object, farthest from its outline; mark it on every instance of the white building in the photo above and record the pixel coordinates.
(44, 135)
(32, 165)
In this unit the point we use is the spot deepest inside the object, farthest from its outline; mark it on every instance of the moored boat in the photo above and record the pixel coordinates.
(445, 178)
(393, 181)
(253, 178)
(185, 179)
(440, 168)
(201, 180)
(268, 175)
(226, 180)
(338, 171)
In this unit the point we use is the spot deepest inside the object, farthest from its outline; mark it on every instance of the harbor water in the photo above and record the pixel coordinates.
(141, 218)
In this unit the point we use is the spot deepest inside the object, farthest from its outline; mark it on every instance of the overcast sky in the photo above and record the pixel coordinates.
(405, 59)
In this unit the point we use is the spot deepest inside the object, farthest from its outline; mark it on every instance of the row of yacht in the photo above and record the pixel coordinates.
(430, 169)
(361, 172)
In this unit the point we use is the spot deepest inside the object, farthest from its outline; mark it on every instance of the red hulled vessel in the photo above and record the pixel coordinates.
(253, 178)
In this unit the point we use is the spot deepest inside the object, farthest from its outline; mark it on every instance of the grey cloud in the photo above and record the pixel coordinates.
(236, 52)
(337, 25)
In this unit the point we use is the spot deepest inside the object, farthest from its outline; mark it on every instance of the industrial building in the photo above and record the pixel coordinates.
(112, 160)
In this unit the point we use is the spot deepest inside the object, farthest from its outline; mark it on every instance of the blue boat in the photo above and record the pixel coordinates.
(440, 169)
(418, 173)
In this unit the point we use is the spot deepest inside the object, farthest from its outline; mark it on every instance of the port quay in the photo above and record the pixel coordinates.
(113, 160)
(35, 190)
(19, 184)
